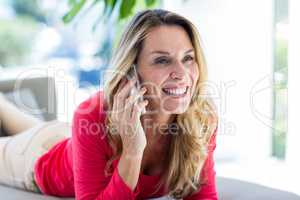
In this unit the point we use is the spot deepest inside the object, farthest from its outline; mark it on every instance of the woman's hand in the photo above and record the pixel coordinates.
(126, 114)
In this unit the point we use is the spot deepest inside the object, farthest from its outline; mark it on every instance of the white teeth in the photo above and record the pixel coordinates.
(175, 91)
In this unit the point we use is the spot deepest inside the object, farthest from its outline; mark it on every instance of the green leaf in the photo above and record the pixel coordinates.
(126, 8)
(87, 10)
(73, 12)
(109, 7)
(150, 3)
(110, 2)
(71, 2)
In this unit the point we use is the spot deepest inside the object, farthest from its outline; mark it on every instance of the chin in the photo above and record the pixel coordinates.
(176, 109)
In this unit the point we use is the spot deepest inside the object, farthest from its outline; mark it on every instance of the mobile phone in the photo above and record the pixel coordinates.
(134, 91)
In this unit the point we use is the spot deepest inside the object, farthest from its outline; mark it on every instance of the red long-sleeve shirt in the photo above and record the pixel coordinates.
(75, 166)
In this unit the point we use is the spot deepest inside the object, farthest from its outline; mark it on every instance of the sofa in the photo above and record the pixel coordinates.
(40, 92)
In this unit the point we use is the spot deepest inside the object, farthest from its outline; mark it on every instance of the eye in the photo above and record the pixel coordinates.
(188, 58)
(162, 61)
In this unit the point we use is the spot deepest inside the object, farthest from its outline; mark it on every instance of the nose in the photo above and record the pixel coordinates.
(178, 71)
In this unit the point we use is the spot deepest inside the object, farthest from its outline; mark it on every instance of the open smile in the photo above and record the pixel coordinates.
(176, 92)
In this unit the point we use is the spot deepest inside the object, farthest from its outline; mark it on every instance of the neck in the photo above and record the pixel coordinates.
(155, 125)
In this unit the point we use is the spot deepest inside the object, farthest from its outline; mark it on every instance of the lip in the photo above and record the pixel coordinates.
(178, 96)
(176, 87)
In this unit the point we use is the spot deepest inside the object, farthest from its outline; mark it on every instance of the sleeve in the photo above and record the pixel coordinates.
(208, 190)
(89, 161)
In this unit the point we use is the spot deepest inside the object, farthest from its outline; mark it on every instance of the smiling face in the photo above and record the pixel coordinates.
(168, 68)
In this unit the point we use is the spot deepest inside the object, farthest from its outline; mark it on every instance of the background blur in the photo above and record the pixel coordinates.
(251, 50)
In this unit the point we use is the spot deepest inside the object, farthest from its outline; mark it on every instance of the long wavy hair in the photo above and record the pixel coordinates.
(188, 148)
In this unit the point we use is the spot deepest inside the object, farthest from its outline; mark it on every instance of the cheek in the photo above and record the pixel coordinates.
(194, 73)
(152, 80)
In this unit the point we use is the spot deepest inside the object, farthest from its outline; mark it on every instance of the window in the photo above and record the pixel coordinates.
(280, 78)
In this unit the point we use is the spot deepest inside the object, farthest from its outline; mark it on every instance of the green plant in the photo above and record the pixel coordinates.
(280, 97)
(113, 17)
(17, 37)
(126, 8)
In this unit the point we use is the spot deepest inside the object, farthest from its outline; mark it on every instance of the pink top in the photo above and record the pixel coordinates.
(75, 166)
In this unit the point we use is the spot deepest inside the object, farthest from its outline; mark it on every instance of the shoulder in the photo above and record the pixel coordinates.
(213, 121)
(92, 108)
(212, 141)
(88, 125)
(89, 117)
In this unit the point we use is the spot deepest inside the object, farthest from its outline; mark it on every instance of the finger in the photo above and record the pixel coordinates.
(121, 84)
(135, 96)
(124, 92)
(119, 101)
(137, 109)
(131, 100)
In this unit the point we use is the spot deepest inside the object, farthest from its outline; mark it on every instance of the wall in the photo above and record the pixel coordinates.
(237, 37)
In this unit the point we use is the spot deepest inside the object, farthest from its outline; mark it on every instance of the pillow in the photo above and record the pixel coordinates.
(25, 100)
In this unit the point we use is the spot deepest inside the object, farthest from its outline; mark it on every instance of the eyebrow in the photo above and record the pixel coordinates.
(165, 52)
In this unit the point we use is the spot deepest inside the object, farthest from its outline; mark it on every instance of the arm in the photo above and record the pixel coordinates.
(208, 191)
(90, 154)
(129, 169)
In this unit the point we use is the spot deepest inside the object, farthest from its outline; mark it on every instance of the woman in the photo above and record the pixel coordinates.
(115, 151)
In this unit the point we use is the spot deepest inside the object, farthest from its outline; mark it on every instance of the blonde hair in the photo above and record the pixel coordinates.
(187, 152)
